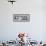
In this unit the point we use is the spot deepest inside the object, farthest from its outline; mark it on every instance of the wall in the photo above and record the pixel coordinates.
(36, 27)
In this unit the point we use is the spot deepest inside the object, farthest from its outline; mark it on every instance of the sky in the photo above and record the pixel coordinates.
(37, 25)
